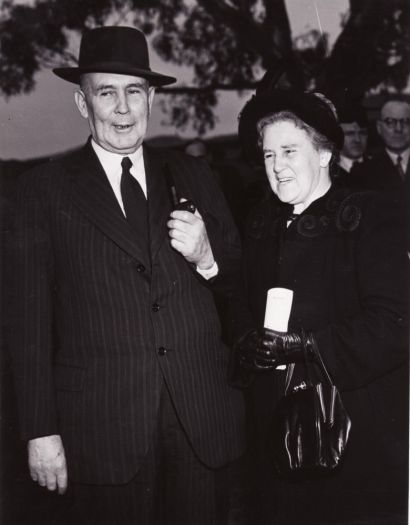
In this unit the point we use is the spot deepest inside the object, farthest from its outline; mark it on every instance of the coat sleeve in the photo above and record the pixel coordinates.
(362, 347)
(32, 342)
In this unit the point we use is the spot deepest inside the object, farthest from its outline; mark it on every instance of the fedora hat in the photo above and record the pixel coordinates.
(114, 49)
(308, 107)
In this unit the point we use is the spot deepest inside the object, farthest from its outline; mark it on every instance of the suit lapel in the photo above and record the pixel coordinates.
(159, 206)
(94, 196)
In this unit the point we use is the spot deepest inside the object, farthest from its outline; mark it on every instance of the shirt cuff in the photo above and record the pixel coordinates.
(209, 272)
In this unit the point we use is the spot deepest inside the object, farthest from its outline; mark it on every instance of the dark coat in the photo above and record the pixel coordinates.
(103, 321)
(378, 173)
(345, 260)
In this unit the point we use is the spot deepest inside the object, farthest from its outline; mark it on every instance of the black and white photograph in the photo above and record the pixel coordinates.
(205, 233)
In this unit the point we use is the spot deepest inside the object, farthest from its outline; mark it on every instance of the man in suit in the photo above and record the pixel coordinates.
(388, 169)
(119, 368)
(353, 121)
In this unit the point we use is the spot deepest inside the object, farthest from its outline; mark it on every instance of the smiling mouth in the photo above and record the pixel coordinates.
(123, 127)
(284, 180)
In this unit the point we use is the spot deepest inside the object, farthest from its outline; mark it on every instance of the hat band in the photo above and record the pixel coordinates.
(114, 65)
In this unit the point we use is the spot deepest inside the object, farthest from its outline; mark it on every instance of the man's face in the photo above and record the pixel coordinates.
(117, 108)
(394, 125)
(355, 142)
(297, 172)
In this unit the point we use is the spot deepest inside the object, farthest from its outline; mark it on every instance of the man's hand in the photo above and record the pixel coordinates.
(47, 464)
(189, 237)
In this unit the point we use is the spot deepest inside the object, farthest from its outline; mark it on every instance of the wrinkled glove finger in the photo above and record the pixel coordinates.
(247, 363)
(266, 354)
(263, 365)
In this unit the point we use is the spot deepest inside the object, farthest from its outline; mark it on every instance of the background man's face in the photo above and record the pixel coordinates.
(117, 108)
(394, 125)
(355, 142)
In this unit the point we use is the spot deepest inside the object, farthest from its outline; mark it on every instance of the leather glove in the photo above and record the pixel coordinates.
(280, 348)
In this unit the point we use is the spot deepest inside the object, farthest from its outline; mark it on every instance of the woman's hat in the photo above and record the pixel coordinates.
(113, 49)
(309, 107)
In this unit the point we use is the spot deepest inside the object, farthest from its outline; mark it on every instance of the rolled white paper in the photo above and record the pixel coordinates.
(278, 306)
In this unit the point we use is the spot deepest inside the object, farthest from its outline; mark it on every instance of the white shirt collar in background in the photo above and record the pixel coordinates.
(404, 157)
(347, 163)
(111, 163)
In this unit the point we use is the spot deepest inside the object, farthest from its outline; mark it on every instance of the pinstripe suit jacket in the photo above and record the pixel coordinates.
(94, 307)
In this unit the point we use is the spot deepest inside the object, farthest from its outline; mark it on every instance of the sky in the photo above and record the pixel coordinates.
(46, 121)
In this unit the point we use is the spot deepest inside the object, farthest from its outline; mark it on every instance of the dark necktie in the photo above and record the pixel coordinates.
(400, 167)
(134, 201)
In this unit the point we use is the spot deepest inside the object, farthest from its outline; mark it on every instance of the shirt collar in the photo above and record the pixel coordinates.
(404, 156)
(347, 163)
(111, 162)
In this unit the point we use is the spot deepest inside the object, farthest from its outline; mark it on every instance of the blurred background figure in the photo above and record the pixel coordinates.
(388, 169)
(354, 123)
(198, 148)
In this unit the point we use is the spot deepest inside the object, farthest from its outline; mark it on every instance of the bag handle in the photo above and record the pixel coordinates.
(319, 361)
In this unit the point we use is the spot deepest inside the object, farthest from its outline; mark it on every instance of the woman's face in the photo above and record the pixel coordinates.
(298, 173)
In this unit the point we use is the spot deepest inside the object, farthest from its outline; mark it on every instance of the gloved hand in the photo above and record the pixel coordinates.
(267, 349)
(281, 348)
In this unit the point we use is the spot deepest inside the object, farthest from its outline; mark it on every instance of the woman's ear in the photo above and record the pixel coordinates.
(324, 158)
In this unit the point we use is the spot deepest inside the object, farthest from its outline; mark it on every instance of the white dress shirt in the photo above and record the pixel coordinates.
(111, 163)
(346, 163)
(404, 155)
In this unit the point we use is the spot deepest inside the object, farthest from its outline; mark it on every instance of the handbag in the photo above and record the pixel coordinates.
(311, 427)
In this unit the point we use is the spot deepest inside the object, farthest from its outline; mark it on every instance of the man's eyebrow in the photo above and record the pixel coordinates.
(105, 86)
(112, 86)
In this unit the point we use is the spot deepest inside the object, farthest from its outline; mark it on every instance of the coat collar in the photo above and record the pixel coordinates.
(94, 196)
(159, 205)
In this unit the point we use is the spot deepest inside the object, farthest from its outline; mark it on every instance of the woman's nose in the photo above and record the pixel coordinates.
(277, 164)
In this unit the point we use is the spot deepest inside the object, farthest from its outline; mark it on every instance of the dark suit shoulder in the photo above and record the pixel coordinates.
(190, 172)
(177, 158)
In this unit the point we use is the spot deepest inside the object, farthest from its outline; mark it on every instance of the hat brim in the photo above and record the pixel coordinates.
(306, 106)
(73, 74)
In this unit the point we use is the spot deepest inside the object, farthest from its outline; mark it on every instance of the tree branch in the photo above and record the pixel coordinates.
(207, 89)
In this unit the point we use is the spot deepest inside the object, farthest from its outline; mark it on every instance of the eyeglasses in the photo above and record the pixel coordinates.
(393, 122)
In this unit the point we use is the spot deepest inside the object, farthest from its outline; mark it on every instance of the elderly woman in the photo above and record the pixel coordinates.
(343, 255)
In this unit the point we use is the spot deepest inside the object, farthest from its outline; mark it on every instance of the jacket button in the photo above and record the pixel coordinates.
(155, 307)
(140, 268)
(162, 350)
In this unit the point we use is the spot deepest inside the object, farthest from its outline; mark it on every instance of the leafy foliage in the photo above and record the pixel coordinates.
(227, 44)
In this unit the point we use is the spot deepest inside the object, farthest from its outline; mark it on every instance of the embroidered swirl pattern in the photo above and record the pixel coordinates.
(312, 226)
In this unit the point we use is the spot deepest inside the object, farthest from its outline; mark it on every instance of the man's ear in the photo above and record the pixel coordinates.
(81, 102)
(324, 158)
(151, 93)
(378, 126)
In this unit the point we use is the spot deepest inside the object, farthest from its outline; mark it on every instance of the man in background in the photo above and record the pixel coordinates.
(119, 368)
(388, 168)
(354, 123)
